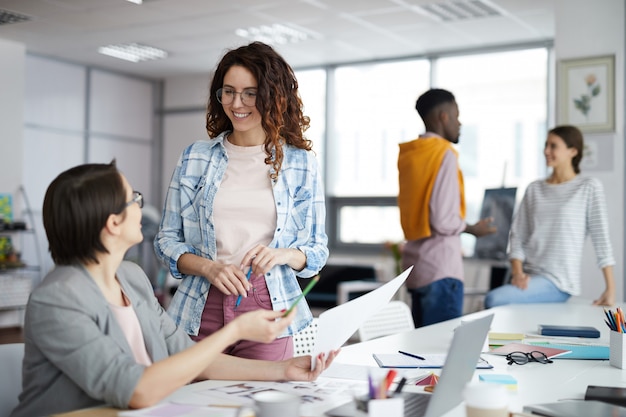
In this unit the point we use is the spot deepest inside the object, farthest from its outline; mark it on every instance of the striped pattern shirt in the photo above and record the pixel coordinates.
(550, 227)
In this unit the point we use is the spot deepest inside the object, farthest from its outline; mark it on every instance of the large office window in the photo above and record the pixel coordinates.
(370, 108)
(502, 100)
(312, 87)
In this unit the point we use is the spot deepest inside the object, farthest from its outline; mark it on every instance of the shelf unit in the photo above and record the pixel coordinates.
(16, 282)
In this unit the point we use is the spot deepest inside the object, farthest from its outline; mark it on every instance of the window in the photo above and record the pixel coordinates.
(312, 87)
(365, 110)
(502, 100)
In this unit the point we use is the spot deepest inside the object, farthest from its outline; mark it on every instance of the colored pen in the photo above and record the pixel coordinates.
(372, 390)
(384, 386)
(399, 387)
(412, 355)
(301, 296)
(248, 278)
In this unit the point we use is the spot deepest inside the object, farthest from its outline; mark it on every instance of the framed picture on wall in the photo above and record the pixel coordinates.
(586, 93)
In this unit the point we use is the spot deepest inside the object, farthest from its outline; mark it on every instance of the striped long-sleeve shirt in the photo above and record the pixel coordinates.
(550, 227)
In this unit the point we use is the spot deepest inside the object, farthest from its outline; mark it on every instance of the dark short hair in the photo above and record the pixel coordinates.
(76, 207)
(573, 138)
(431, 99)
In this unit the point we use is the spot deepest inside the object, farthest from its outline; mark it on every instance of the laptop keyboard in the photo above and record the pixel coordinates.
(415, 404)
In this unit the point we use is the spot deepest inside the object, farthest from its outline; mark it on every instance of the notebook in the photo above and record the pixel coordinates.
(580, 351)
(576, 408)
(568, 331)
(463, 354)
(550, 352)
(430, 361)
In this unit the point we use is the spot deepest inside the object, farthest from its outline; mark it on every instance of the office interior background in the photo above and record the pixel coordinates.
(360, 72)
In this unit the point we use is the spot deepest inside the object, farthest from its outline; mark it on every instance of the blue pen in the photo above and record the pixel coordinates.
(609, 315)
(240, 297)
(412, 355)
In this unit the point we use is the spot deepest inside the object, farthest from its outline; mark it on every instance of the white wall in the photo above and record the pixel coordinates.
(184, 104)
(55, 115)
(11, 114)
(588, 29)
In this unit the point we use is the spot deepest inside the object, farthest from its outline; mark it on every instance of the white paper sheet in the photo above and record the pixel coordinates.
(335, 326)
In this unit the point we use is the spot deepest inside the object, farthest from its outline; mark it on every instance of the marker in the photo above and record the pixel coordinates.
(398, 389)
(412, 355)
(248, 278)
(301, 296)
(391, 375)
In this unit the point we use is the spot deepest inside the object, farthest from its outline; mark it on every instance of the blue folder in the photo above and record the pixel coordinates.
(579, 351)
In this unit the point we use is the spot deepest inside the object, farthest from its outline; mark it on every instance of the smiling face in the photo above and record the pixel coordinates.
(557, 154)
(245, 119)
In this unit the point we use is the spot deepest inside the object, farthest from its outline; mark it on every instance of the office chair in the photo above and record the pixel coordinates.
(304, 341)
(395, 317)
(11, 356)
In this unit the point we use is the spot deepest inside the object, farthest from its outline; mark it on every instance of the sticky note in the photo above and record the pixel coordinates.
(504, 379)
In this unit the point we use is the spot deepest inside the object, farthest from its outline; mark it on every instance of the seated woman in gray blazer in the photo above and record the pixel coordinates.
(94, 332)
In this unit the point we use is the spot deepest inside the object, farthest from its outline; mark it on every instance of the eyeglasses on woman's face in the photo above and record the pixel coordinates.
(522, 358)
(137, 198)
(226, 95)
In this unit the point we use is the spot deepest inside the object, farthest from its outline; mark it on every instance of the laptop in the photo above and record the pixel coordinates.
(457, 371)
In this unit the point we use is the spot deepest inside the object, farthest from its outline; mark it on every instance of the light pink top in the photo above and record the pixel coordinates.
(127, 319)
(244, 209)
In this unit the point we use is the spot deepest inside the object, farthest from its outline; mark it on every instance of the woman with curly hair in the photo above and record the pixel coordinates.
(245, 212)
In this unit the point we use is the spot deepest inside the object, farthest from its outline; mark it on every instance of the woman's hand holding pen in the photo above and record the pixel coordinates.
(228, 278)
(262, 259)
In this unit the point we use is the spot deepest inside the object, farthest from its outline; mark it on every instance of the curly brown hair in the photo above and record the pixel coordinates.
(277, 100)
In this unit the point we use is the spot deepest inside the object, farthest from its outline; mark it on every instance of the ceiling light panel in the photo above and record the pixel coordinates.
(133, 52)
(459, 10)
(275, 34)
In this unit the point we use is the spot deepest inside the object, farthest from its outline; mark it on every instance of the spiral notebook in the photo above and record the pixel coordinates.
(433, 360)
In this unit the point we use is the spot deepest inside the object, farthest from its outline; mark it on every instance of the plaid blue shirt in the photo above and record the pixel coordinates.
(187, 226)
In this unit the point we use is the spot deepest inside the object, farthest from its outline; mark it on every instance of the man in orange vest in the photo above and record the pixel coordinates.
(432, 211)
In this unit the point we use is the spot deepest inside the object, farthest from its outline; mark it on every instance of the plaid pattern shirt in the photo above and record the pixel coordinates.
(187, 226)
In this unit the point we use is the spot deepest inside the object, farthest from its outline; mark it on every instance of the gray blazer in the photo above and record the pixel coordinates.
(76, 354)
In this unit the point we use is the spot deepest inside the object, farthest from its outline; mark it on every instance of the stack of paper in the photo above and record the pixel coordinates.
(499, 339)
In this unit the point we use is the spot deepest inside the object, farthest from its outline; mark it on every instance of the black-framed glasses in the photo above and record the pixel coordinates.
(226, 95)
(522, 358)
(137, 198)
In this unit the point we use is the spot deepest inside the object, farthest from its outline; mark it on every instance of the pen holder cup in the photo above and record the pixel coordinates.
(617, 349)
(388, 407)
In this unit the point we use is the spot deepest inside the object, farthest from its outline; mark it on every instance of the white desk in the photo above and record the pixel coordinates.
(563, 379)
(537, 383)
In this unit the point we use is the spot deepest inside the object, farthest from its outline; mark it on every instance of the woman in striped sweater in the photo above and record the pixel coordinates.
(550, 227)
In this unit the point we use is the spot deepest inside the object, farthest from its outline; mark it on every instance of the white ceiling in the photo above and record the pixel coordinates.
(195, 33)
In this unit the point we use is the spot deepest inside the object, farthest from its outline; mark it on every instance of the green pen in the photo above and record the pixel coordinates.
(305, 292)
